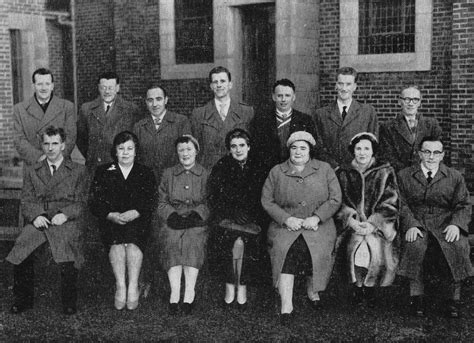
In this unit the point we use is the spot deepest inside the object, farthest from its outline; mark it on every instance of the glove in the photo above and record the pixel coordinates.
(176, 222)
(193, 220)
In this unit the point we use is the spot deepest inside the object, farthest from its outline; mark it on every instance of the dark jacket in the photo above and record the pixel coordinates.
(29, 121)
(157, 149)
(432, 207)
(210, 131)
(371, 196)
(46, 194)
(265, 141)
(334, 135)
(397, 144)
(96, 130)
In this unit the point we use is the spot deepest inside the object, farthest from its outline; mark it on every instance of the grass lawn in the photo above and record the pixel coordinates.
(337, 321)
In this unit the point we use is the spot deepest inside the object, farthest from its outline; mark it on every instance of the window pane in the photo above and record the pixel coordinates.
(194, 32)
(16, 61)
(386, 27)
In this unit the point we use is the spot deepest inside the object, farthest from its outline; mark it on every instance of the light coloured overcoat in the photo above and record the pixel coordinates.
(46, 194)
(289, 193)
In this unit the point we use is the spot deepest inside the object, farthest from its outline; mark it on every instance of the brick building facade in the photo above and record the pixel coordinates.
(136, 38)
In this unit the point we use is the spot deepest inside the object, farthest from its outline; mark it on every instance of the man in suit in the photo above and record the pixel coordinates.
(102, 119)
(211, 122)
(32, 116)
(337, 123)
(401, 137)
(53, 199)
(434, 226)
(156, 134)
(270, 131)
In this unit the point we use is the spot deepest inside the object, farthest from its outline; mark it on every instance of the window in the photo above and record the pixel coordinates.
(386, 27)
(17, 62)
(194, 32)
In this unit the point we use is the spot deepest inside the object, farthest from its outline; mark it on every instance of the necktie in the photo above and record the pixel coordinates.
(53, 169)
(344, 112)
(157, 122)
(412, 125)
(429, 178)
(107, 109)
(222, 111)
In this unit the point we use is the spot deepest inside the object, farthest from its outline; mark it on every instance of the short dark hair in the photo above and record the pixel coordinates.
(42, 71)
(187, 139)
(218, 70)
(370, 138)
(347, 71)
(430, 139)
(236, 133)
(54, 131)
(121, 138)
(155, 85)
(108, 75)
(285, 83)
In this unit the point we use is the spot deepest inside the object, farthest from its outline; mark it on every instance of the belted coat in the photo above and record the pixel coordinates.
(289, 193)
(432, 207)
(46, 194)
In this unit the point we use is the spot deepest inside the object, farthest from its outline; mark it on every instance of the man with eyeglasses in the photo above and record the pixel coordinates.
(100, 120)
(400, 137)
(434, 226)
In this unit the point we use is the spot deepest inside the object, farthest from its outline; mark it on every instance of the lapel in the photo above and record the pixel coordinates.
(34, 109)
(233, 117)
(401, 126)
(54, 109)
(442, 173)
(115, 113)
(335, 115)
(97, 110)
(352, 114)
(63, 172)
(419, 176)
(211, 115)
(43, 172)
(168, 120)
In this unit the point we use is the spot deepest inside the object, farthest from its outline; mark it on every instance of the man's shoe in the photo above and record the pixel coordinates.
(19, 307)
(452, 309)
(173, 309)
(417, 306)
(188, 308)
(286, 319)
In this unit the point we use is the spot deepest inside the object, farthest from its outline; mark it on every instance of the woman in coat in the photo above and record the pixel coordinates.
(369, 212)
(301, 195)
(183, 211)
(234, 198)
(123, 198)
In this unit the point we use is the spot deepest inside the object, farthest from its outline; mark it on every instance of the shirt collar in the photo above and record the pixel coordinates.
(108, 104)
(425, 171)
(57, 163)
(340, 105)
(160, 117)
(284, 114)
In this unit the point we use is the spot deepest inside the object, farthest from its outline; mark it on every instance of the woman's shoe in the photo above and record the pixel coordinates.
(173, 309)
(188, 308)
(226, 305)
(242, 307)
(286, 319)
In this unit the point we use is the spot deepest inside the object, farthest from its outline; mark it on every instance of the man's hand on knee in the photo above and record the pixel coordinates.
(452, 233)
(41, 223)
(412, 234)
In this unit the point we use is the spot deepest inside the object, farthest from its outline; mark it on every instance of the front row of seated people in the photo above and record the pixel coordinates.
(310, 207)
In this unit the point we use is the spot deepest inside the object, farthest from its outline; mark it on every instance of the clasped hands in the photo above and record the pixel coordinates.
(361, 228)
(41, 222)
(124, 217)
(295, 224)
(451, 234)
(182, 222)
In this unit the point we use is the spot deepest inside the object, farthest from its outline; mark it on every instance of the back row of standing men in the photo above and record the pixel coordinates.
(101, 119)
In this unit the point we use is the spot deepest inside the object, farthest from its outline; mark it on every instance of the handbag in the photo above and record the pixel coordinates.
(250, 228)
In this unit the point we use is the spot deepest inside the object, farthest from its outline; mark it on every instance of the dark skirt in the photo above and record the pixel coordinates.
(298, 259)
(136, 232)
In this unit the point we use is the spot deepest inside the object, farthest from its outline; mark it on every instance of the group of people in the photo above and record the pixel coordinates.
(230, 188)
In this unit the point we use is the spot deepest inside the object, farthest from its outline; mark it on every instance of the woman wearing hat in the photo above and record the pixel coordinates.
(301, 195)
(368, 214)
(183, 211)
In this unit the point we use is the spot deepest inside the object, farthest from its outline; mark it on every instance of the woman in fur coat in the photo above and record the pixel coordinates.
(368, 215)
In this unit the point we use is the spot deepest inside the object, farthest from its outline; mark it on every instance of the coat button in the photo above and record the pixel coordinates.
(186, 187)
(99, 159)
(303, 203)
(300, 181)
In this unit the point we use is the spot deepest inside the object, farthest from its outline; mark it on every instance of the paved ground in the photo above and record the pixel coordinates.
(338, 321)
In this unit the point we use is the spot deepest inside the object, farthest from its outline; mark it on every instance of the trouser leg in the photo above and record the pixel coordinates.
(68, 284)
(23, 281)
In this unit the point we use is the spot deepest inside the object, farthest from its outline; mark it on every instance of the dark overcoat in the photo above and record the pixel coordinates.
(111, 192)
(96, 130)
(334, 135)
(399, 146)
(235, 189)
(432, 207)
(289, 193)
(265, 140)
(210, 131)
(183, 191)
(157, 149)
(46, 194)
(371, 196)
(29, 121)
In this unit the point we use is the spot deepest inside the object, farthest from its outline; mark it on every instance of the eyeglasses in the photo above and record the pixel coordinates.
(105, 88)
(408, 100)
(427, 153)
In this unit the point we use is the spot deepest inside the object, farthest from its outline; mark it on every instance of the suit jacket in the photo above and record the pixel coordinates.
(29, 121)
(334, 135)
(46, 194)
(432, 207)
(96, 130)
(157, 149)
(397, 144)
(210, 131)
(265, 141)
